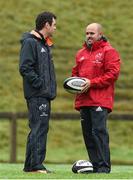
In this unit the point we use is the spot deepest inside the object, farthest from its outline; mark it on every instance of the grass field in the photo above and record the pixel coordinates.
(14, 171)
(72, 18)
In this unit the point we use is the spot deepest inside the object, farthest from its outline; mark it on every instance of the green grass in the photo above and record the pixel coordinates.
(14, 171)
(72, 18)
(65, 138)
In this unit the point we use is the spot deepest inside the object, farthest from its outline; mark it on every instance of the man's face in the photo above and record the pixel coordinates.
(51, 28)
(92, 34)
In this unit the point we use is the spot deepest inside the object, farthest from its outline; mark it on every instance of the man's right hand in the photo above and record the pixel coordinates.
(86, 85)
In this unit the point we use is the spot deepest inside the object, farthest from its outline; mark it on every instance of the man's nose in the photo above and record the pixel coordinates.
(88, 35)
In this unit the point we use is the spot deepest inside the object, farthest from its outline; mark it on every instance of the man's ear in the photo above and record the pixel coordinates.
(47, 25)
(100, 35)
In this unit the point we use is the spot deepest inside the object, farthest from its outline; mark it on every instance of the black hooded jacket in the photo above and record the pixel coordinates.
(37, 68)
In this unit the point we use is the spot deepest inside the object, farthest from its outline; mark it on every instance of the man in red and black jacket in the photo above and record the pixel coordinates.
(39, 83)
(99, 64)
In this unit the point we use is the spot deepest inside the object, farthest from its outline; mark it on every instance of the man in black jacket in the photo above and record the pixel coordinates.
(37, 70)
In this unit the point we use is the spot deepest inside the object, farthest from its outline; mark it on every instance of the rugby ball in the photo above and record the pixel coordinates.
(82, 166)
(73, 84)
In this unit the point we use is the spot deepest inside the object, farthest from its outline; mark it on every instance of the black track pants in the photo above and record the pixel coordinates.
(96, 138)
(39, 114)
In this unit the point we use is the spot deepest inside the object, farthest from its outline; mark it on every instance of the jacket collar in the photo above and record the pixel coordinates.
(47, 40)
(96, 45)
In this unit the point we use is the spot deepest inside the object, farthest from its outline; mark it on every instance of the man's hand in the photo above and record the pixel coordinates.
(86, 85)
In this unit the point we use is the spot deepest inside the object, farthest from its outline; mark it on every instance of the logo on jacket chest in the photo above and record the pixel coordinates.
(82, 58)
(43, 50)
(98, 58)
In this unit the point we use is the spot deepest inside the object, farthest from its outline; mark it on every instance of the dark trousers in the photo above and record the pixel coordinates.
(39, 114)
(96, 136)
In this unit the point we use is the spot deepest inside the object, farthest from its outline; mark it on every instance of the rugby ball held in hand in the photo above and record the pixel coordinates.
(74, 84)
(82, 166)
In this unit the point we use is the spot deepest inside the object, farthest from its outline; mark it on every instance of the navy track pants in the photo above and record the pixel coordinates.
(96, 137)
(39, 115)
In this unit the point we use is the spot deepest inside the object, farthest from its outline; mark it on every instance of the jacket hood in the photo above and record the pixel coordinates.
(25, 36)
(37, 35)
(101, 43)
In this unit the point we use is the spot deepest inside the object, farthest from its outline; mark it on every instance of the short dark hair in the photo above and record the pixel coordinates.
(42, 18)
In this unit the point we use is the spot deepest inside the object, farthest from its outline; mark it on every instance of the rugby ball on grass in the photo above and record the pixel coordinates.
(82, 166)
(73, 84)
